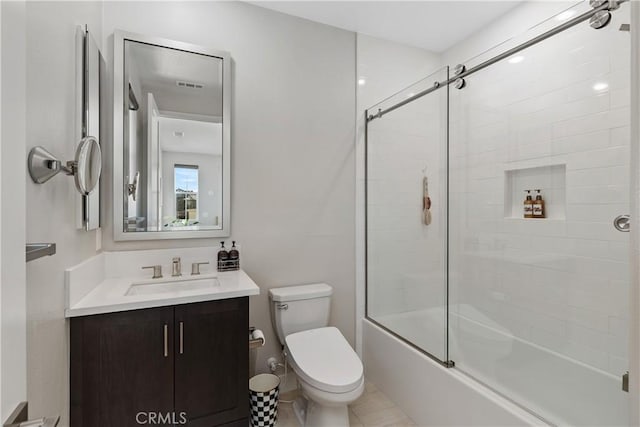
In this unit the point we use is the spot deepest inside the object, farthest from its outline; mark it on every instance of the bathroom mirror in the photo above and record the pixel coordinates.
(171, 139)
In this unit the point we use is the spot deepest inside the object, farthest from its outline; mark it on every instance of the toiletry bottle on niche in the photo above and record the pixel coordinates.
(528, 205)
(538, 206)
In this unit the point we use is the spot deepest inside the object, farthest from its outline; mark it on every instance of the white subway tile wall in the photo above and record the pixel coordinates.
(559, 121)
(534, 304)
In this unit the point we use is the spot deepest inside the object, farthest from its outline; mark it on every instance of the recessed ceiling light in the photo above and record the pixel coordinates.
(600, 86)
(565, 15)
(516, 59)
(178, 133)
(362, 81)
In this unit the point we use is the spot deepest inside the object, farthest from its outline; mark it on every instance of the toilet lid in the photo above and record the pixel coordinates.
(325, 359)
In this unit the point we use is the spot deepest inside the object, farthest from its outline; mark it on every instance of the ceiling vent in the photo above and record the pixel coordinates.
(190, 85)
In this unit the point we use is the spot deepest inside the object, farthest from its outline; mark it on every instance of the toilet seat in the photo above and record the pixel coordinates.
(323, 358)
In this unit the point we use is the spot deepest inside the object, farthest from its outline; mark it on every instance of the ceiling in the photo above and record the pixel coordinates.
(158, 70)
(431, 25)
(192, 136)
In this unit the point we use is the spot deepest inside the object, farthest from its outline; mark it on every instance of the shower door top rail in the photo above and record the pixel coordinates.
(598, 6)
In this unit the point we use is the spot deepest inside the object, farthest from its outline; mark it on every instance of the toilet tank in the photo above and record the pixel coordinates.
(299, 308)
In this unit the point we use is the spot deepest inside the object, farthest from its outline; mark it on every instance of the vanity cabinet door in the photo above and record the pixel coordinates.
(121, 366)
(212, 361)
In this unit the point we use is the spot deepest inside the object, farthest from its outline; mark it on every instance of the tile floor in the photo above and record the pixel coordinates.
(373, 409)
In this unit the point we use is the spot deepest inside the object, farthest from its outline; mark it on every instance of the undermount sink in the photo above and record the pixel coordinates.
(173, 285)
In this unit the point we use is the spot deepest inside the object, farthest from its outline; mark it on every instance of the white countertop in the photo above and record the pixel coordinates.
(110, 295)
(91, 291)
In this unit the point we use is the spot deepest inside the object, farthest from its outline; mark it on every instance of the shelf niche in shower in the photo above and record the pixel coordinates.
(551, 180)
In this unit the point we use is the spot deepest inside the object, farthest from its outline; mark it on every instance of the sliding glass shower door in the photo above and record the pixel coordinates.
(495, 218)
(406, 216)
(538, 298)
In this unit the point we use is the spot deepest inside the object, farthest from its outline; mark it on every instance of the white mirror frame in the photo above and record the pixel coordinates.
(119, 183)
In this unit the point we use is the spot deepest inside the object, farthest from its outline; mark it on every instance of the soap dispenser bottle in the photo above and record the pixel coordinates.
(234, 256)
(223, 256)
(528, 205)
(538, 206)
(233, 252)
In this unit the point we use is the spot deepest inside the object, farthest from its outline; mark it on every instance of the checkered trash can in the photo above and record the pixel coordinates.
(263, 400)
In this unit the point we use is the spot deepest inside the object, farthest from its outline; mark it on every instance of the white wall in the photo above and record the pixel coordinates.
(387, 67)
(293, 98)
(13, 343)
(293, 167)
(51, 122)
(506, 30)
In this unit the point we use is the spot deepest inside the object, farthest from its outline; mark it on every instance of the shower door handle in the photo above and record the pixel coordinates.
(622, 223)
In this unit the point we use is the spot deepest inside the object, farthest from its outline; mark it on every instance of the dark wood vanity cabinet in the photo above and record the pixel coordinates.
(119, 367)
(211, 362)
(180, 365)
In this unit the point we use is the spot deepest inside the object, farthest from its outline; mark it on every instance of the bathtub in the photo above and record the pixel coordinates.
(498, 379)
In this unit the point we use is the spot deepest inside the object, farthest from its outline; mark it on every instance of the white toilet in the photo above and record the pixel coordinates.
(329, 372)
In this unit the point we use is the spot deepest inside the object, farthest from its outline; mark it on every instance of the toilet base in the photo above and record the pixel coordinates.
(313, 414)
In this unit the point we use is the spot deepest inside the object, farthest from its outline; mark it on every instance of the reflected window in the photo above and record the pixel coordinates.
(186, 192)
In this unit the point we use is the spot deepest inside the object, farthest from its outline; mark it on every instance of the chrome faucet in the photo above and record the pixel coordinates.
(157, 271)
(176, 267)
(195, 267)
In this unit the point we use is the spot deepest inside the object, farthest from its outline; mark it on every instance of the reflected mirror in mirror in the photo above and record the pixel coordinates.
(88, 165)
(173, 139)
